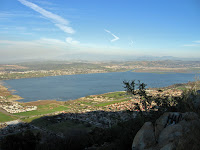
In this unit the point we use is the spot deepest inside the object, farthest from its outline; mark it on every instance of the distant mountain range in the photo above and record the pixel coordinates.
(98, 57)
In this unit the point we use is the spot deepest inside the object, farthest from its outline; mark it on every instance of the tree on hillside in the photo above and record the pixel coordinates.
(145, 100)
(183, 103)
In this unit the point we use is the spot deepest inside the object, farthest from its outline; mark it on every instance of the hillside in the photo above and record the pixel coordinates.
(106, 121)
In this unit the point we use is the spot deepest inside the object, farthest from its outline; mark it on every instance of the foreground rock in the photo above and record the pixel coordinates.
(145, 137)
(169, 133)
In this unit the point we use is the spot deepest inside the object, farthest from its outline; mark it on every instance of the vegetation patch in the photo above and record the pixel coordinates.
(115, 95)
(5, 118)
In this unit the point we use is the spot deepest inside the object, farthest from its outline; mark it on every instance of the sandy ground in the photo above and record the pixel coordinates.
(5, 93)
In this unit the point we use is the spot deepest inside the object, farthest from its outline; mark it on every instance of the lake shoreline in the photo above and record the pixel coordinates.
(137, 70)
(6, 94)
(48, 101)
(72, 87)
(112, 101)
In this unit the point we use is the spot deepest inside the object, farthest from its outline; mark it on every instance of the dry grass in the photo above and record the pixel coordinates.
(7, 94)
(43, 102)
(4, 91)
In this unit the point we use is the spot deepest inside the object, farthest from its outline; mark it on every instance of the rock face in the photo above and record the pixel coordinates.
(197, 100)
(144, 138)
(170, 133)
(169, 129)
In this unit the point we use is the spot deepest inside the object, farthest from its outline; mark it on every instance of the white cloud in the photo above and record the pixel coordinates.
(58, 20)
(115, 37)
(43, 2)
(71, 41)
(65, 28)
(197, 44)
(197, 41)
(51, 41)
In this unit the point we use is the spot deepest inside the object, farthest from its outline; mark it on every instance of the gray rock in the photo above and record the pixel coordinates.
(198, 92)
(170, 133)
(163, 121)
(144, 138)
(197, 101)
(169, 146)
(170, 128)
(190, 116)
(160, 124)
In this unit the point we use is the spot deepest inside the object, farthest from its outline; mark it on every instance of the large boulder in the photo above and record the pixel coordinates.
(191, 138)
(190, 116)
(170, 133)
(144, 138)
(170, 130)
(160, 124)
(196, 99)
(166, 119)
(169, 146)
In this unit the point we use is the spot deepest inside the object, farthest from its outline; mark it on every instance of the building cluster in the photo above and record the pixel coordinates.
(4, 75)
(164, 93)
(127, 105)
(14, 107)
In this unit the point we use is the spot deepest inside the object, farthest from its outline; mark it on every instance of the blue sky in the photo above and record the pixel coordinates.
(31, 29)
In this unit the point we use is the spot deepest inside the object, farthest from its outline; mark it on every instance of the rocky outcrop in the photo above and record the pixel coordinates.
(144, 138)
(196, 99)
(169, 130)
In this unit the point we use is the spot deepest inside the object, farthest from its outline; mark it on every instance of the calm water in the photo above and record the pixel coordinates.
(69, 87)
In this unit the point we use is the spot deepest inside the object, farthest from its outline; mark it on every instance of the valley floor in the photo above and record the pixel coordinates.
(109, 102)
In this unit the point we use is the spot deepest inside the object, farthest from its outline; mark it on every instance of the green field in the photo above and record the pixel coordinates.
(115, 95)
(44, 109)
(4, 118)
(110, 98)
(31, 116)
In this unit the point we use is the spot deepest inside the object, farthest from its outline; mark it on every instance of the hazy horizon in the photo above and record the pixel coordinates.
(92, 58)
(98, 30)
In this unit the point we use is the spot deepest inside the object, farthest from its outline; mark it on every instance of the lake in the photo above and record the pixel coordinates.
(69, 87)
